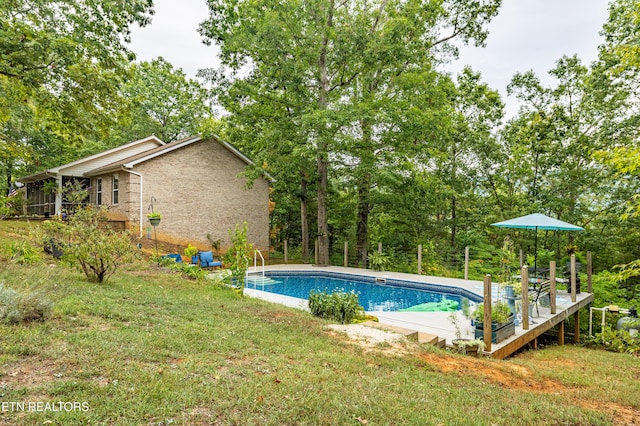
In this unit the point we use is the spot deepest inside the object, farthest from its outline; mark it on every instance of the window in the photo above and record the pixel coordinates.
(114, 198)
(99, 191)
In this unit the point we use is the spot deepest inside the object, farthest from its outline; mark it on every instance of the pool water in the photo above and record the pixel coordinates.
(371, 296)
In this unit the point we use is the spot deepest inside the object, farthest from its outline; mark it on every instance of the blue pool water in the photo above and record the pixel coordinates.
(371, 296)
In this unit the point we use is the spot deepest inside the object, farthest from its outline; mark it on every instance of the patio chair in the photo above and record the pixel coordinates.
(174, 256)
(206, 260)
(539, 292)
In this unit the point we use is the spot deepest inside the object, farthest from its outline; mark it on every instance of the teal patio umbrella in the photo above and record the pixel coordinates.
(537, 221)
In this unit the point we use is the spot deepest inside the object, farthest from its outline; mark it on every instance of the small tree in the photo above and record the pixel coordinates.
(97, 250)
(238, 255)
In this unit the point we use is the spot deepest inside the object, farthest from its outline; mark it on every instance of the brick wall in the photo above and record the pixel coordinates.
(198, 191)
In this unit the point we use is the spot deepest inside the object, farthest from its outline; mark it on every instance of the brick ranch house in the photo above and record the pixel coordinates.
(195, 183)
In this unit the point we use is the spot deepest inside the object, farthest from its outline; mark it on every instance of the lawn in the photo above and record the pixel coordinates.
(151, 348)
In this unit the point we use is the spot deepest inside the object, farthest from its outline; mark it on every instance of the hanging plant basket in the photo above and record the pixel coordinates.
(154, 218)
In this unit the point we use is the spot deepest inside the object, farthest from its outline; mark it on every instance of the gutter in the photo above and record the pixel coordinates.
(140, 176)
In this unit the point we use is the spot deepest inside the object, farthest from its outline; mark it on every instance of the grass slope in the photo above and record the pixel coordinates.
(149, 348)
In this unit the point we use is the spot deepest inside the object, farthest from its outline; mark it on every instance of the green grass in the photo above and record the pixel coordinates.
(149, 347)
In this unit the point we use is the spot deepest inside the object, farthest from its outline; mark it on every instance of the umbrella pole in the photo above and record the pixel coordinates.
(535, 253)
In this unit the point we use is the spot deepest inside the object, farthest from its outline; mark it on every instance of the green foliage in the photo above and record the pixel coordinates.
(616, 341)
(215, 244)
(337, 306)
(239, 254)
(60, 67)
(186, 269)
(500, 312)
(379, 261)
(26, 306)
(191, 251)
(97, 249)
(161, 101)
(22, 252)
(507, 260)
(359, 84)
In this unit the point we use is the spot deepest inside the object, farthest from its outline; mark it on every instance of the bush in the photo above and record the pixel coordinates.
(22, 253)
(616, 341)
(238, 255)
(96, 249)
(338, 306)
(379, 261)
(18, 307)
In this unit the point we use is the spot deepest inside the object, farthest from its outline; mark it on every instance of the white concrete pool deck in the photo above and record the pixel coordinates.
(435, 323)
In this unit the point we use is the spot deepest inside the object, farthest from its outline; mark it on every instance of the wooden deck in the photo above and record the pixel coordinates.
(545, 322)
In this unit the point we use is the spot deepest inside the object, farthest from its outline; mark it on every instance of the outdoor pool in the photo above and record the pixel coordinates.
(390, 295)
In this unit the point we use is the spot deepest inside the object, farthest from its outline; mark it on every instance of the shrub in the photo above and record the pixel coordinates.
(379, 261)
(338, 306)
(500, 312)
(18, 307)
(191, 251)
(238, 255)
(22, 253)
(617, 341)
(97, 250)
(189, 271)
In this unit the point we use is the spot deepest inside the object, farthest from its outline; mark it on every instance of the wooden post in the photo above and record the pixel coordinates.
(573, 278)
(380, 248)
(552, 287)
(561, 333)
(419, 259)
(346, 253)
(466, 263)
(576, 327)
(524, 282)
(589, 273)
(286, 251)
(487, 313)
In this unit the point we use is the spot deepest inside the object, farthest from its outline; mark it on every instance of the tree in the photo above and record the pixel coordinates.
(622, 39)
(161, 101)
(470, 150)
(60, 65)
(332, 63)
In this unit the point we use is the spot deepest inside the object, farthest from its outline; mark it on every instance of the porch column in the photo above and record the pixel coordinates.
(58, 205)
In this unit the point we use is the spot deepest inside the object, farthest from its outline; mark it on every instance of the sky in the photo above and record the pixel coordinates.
(526, 35)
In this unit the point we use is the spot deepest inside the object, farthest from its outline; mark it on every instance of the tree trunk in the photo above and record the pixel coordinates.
(323, 147)
(304, 218)
(323, 226)
(362, 228)
(454, 221)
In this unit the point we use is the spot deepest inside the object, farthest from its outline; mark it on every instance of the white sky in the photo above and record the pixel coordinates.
(527, 34)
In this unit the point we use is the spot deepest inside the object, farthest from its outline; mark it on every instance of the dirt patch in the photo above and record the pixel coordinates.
(505, 375)
(372, 339)
(622, 415)
(30, 374)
